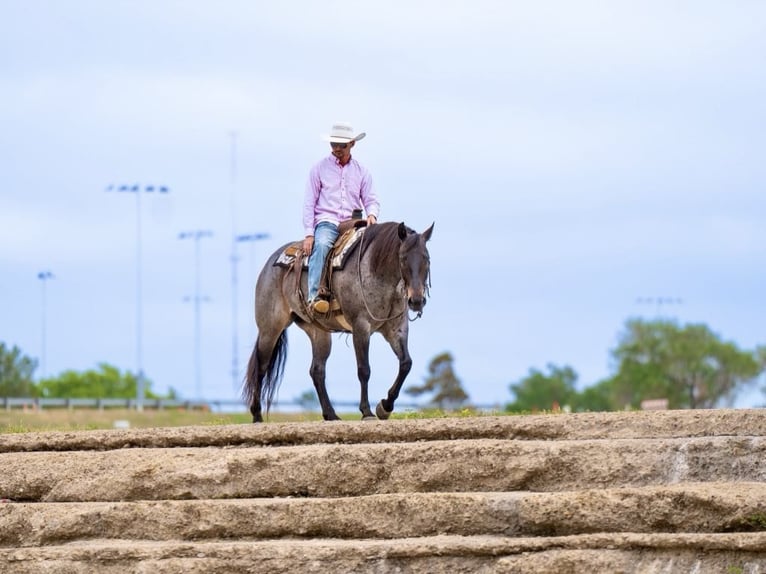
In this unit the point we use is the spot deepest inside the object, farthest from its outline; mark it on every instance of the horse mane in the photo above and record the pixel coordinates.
(382, 242)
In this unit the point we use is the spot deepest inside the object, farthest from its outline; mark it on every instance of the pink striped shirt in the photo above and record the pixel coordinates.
(333, 191)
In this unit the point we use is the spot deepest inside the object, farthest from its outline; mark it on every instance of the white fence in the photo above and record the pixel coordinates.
(216, 405)
(9, 403)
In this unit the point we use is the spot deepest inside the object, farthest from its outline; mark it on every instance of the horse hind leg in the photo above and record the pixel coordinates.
(266, 362)
(256, 370)
(321, 345)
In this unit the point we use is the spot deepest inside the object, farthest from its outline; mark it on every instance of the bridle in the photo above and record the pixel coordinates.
(404, 297)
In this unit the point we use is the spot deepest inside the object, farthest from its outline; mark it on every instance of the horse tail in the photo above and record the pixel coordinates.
(266, 389)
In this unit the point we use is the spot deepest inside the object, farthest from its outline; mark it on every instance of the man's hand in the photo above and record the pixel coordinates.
(308, 244)
(371, 219)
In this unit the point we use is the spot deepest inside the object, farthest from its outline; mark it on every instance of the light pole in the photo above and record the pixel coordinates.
(44, 277)
(251, 237)
(659, 302)
(234, 262)
(234, 259)
(197, 299)
(137, 190)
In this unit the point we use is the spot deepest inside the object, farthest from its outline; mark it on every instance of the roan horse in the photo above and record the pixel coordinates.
(386, 274)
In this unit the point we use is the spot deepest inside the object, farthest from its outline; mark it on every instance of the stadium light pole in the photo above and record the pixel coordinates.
(659, 302)
(246, 238)
(197, 299)
(234, 259)
(251, 237)
(44, 277)
(138, 190)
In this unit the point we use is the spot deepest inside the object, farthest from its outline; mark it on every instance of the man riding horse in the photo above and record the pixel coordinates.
(338, 188)
(386, 276)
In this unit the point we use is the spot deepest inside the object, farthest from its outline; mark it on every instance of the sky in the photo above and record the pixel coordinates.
(580, 161)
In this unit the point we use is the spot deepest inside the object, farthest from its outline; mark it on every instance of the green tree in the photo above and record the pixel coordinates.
(16, 373)
(540, 391)
(308, 400)
(106, 382)
(690, 366)
(760, 356)
(595, 398)
(447, 390)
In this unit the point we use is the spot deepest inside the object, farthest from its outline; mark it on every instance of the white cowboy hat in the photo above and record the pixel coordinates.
(342, 132)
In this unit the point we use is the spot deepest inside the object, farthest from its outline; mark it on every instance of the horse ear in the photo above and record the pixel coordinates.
(402, 231)
(427, 233)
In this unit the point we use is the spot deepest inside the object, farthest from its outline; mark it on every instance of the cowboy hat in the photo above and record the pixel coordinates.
(342, 132)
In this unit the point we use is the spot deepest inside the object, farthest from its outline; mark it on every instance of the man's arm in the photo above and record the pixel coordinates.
(310, 198)
(369, 198)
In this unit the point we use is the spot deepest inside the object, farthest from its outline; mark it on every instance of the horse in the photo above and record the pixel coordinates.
(386, 275)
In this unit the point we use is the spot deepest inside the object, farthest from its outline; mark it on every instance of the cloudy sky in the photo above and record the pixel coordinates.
(577, 158)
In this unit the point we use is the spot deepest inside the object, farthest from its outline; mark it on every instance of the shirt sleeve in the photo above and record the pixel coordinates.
(310, 198)
(369, 195)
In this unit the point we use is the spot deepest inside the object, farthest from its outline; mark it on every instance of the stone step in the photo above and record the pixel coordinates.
(626, 553)
(676, 491)
(323, 470)
(620, 425)
(687, 508)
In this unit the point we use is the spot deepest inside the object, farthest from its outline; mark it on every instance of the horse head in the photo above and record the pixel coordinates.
(415, 265)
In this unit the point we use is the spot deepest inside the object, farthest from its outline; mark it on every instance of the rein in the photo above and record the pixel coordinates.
(364, 299)
(428, 294)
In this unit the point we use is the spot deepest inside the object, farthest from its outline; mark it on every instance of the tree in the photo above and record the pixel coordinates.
(106, 382)
(760, 356)
(447, 391)
(16, 373)
(538, 391)
(690, 366)
(595, 398)
(308, 400)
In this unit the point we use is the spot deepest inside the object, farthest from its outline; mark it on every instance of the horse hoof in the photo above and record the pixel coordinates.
(381, 411)
(370, 418)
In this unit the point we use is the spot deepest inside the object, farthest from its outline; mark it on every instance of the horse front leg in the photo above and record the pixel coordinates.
(398, 341)
(321, 344)
(362, 350)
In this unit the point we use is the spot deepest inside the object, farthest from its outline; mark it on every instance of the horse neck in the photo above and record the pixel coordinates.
(382, 254)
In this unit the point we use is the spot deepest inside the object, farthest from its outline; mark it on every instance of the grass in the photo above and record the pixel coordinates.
(17, 421)
(755, 522)
(20, 421)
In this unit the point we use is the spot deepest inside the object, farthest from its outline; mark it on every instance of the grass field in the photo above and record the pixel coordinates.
(17, 420)
(61, 419)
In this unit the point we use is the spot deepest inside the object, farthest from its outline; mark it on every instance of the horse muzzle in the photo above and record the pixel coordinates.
(416, 303)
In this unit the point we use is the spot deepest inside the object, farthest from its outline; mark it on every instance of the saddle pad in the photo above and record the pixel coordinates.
(339, 253)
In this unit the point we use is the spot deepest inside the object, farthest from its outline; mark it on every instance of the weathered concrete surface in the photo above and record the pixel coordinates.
(688, 508)
(678, 491)
(657, 424)
(323, 470)
(628, 553)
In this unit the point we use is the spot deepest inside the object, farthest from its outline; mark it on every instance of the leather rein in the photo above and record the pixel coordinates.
(404, 296)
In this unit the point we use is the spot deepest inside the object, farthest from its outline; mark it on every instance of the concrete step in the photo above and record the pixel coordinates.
(679, 491)
(687, 508)
(659, 424)
(613, 553)
(360, 469)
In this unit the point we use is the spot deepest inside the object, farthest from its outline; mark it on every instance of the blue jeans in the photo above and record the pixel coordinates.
(325, 235)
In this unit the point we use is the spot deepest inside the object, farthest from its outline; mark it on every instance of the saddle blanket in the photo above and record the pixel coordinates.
(343, 247)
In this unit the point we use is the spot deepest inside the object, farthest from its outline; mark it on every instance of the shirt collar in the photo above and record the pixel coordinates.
(336, 161)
